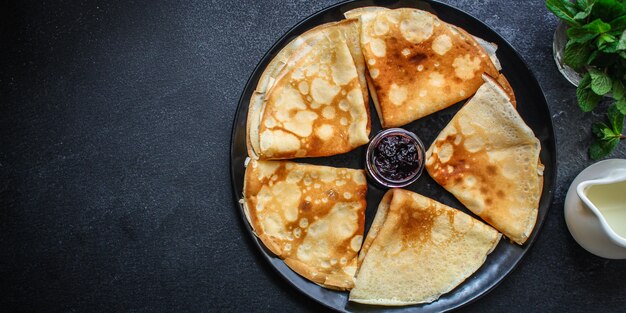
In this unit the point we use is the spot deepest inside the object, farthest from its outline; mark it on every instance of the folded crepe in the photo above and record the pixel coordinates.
(418, 249)
(418, 64)
(312, 98)
(488, 158)
(311, 216)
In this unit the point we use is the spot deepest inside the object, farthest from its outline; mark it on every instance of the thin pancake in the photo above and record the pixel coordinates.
(311, 216)
(312, 94)
(418, 64)
(488, 158)
(418, 249)
(504, 83)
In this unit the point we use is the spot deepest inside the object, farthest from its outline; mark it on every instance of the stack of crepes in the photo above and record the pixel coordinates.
(310, 216)
(312, 101)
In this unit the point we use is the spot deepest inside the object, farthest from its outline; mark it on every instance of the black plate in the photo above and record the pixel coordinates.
(531, 105)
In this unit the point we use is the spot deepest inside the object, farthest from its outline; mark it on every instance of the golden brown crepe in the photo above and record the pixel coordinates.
(419, 64)
(311, 216)
(489, 159)
(312, 98)
(418, 249)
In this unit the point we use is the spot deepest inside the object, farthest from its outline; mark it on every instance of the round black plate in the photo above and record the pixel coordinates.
(531, 105)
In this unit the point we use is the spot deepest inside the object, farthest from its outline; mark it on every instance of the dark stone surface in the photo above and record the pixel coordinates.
(114, 184)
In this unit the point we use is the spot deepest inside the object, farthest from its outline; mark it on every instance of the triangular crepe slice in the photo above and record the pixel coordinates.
(488, 158)
(419, 64)
(311, 216)
(489, 47)
(312, 99)
(418, 249)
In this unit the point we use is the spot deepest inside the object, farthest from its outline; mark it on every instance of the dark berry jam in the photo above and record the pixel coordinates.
(396, 158)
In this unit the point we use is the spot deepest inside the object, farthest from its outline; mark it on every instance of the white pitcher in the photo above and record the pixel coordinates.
(598, 223)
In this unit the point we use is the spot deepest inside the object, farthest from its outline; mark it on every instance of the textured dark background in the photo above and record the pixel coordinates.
(115, 193)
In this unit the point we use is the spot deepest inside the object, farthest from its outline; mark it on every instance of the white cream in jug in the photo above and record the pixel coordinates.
(610, 199)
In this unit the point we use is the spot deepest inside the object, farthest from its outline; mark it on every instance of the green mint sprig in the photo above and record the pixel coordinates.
(608, 136)
(596, 48)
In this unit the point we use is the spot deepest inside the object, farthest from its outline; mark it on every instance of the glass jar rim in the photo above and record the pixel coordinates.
(372, 170)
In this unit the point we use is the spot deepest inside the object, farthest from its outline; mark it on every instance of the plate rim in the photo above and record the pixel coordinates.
(552, 146)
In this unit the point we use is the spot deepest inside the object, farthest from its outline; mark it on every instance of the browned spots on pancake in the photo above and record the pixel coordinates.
(488, 201)
(480, 167)
(396, 54)
(380, 82)
(458, 160)
(451, 215)
(315, 144)
(310, 207)
(417, 58)
(500, 194)
(415, 224)
(305, 206)
(392, 42)
(411, 64)
(280, 172)
(487, 218)
(311, 145)
(331, 194)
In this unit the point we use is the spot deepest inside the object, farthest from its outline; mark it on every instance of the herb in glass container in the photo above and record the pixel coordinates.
(596, 48)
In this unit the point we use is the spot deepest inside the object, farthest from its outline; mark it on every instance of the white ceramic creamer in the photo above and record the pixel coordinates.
(595, 209)
(606, 198)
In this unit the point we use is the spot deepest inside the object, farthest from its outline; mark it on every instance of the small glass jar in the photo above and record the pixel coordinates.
(379, 176)
(558, 48)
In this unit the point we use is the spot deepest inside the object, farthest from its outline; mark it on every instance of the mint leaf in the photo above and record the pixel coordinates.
(593, 56)
(608, 9)
(582, 15)
(598, 129)
(604, 40)
(621, 45)
(618, 90)
(580, 35)
(618, 25)
(610, 47)
(564, 10)
(584, 4)
(604, 61)
(612, 44)
(585, 8)
(587, 99)
(621, 105)
(608, 38)
(608, 136)
(616, 120)
(602, 148)
(598, 26)
(576, 54)
(600, 82)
